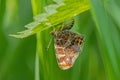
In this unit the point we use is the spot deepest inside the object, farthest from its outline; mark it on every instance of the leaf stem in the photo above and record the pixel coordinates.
(37, 77)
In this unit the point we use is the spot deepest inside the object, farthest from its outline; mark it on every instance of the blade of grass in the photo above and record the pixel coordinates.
(37, 6)
(104, 30)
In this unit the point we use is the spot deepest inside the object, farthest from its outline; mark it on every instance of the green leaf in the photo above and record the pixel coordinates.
(53, 15)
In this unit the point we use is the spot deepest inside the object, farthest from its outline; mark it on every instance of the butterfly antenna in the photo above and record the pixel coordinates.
(48, 46)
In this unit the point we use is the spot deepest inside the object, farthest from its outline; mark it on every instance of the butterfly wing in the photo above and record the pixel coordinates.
(67, 46)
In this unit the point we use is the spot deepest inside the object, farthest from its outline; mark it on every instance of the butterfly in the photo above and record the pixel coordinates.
(67, 45)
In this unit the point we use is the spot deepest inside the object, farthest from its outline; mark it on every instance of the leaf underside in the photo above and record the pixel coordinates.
(53, 15)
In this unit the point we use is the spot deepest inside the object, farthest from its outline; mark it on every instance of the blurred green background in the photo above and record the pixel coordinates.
(100, 58)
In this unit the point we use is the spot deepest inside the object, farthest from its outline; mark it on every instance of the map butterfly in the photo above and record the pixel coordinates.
(67, 45)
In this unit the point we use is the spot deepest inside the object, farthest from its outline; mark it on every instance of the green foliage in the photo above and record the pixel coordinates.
(54, 14)
(107, 30)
